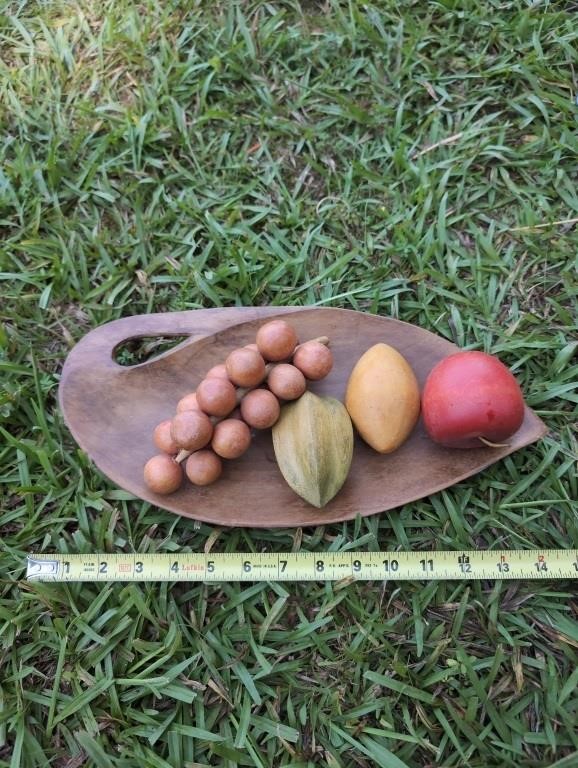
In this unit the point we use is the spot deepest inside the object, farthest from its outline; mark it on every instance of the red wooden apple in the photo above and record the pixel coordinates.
(470, 397)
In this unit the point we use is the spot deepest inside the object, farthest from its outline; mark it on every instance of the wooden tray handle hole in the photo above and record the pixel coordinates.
(141, 349)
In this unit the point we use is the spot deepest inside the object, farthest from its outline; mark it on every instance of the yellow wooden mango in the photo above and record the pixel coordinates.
(383, 398)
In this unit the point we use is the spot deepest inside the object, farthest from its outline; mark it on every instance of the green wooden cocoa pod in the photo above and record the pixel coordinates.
(313, 442)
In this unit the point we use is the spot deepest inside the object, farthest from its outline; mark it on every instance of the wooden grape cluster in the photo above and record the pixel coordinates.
(243, 393)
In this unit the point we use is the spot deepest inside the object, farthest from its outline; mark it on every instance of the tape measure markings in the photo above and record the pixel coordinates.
(306, 566)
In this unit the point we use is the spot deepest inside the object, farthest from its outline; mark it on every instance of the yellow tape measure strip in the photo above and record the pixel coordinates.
(307, 566)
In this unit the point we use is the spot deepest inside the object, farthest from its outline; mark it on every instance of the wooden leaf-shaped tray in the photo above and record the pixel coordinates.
(112, 410)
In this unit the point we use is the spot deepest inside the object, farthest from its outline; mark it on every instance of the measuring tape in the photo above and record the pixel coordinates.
(307, 566)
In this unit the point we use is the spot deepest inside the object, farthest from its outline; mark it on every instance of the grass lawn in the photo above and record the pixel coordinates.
(415, 160)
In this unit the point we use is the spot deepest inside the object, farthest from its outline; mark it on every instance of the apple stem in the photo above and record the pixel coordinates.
(493, 445)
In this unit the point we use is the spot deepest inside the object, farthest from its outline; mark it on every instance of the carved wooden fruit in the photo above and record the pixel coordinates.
(383, 398)
(112, 411)
(313, 443)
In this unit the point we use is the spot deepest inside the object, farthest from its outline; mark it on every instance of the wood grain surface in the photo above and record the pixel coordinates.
(111, 411)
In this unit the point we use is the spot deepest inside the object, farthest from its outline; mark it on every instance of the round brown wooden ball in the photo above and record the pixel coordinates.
(231, 438)
(162, 474)
(188, 403)
(276, 340)
(286, 381)
(260, 408)
(245, 367)
(163, 439)
(203, 467)
(217, 372)
(191, 430)
(217, 397)
(314, 360)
